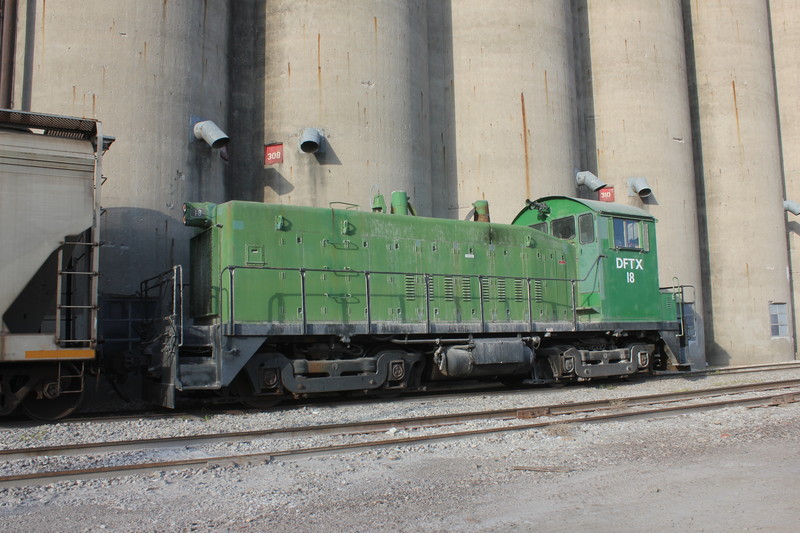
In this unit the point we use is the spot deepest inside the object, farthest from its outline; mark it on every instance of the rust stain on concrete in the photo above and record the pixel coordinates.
(319, 60)
(525, 147)
(736, 109)
(546, 92)
(319, 72)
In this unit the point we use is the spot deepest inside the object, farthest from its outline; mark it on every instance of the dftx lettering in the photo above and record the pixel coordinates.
(632, 264)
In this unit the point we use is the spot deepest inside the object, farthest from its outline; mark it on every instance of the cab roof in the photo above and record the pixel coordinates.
(605, 208)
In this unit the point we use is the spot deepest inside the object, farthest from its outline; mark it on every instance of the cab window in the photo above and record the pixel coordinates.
(563, 228)
(586, 228)
(629, 234)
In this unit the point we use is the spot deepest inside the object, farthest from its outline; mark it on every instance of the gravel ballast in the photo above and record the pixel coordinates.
(730, 469)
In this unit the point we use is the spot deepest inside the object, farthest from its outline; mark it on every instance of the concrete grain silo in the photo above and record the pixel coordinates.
(348, 81)
(635, 110)
(785, 19)
(452, 101)
(739, 162)
(150, 70)
(509, 89)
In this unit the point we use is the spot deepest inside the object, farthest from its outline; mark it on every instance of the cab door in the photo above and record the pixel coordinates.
(630, 270)
(590, 271)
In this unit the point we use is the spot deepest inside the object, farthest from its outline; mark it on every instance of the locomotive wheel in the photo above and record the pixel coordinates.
(47, 401)
(243, 392)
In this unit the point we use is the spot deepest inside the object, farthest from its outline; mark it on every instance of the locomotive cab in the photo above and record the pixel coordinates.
(617, 271)
(616, 255)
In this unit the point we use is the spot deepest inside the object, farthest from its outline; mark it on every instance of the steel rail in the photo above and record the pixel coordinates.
(376, 426)
(724, 370)
(289, 454)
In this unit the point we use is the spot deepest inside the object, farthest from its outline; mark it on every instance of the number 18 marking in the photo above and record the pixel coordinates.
(631, 277)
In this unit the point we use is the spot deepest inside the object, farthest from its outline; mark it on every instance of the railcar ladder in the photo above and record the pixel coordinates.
(68, 311)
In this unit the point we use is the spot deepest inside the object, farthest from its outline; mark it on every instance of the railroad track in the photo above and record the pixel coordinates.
(360, 435)
(460, 391)
(723, 370)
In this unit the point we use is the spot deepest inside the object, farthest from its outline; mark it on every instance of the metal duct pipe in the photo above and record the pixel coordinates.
(589, 180)
(639, 186)
(212, 134)
(311, 140)
(792, 207)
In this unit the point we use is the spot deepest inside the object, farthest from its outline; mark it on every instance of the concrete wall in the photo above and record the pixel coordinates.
(144, 68)
(785, 21)
(635, 109)
(740, 166)
(358, 72)
(511, 88)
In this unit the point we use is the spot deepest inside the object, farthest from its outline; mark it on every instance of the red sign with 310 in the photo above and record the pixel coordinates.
(606, 194)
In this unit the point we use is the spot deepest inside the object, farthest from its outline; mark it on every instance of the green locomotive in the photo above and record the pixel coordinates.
(287, 300)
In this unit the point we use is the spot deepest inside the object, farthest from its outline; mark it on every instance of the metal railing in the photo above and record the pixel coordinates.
(679, 292)
(167, 289)
(428, 280)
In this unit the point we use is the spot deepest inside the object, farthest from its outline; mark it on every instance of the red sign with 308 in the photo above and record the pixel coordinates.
(273, 153)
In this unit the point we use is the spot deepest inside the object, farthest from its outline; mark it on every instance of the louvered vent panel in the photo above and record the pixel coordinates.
(519, 290)
(449, 289)
(411, 288)
(466, 289)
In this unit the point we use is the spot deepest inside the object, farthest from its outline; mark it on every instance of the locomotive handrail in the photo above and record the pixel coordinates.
(428, 303)
(399, 273)
(368, 273)
(681, 318)
(530, 306)
(369, 306)
(575, 306)
(480, 299)
(389, 273)
(681, 292)
(174, 275)
(177, 300)
(302, 301)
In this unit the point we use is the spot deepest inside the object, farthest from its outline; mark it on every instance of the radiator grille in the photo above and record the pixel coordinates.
(538, 291)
